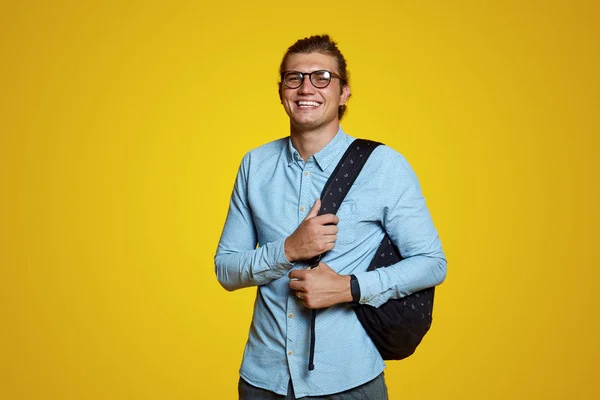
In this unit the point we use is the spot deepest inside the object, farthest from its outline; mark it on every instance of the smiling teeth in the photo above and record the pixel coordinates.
(308, 104)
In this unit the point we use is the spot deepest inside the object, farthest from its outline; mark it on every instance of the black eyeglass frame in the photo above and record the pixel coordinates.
(309, 74)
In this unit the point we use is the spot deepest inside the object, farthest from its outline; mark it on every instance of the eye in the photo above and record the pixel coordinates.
(322, 76)
(292, 77)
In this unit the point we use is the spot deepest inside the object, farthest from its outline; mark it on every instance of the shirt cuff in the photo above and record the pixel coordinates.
(370, 288)
(280, 260)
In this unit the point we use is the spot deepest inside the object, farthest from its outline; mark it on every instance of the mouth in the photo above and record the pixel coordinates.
(307, 104)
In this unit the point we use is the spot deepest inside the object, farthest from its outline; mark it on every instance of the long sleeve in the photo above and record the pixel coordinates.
(238, 262)
(408, 222)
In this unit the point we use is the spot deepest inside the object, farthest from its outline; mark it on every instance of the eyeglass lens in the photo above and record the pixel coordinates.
(320, 79)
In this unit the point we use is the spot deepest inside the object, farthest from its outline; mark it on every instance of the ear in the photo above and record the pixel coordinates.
(345, 95)
(279, 89)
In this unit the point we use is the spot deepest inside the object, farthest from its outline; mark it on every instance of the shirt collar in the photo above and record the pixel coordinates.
(293, 154)
(332, 151)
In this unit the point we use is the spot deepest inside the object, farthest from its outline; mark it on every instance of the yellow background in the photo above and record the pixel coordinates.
(122, 125)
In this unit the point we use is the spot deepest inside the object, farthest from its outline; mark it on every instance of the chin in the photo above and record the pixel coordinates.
(307, 120)
(307, 124)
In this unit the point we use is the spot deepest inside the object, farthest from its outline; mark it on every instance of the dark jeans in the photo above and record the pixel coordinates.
(372, 390)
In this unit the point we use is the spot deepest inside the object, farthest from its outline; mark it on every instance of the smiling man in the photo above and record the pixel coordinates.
(273, 227)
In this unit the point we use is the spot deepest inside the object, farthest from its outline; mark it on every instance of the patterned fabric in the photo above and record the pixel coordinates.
(397, 326)
(273, 192)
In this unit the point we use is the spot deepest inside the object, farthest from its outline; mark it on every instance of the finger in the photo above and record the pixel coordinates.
(298, 274)
(330, 230)
(314, 210)
(328, 247)
(323, 266)
(299, 295)
(329, 238)
(327, 219)
(297, 285)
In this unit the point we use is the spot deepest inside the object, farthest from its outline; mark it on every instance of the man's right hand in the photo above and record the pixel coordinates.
(315, 235)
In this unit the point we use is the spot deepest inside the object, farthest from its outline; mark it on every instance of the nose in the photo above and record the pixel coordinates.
(306, 87)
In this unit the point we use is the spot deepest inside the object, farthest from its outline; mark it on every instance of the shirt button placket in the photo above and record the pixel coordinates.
(294, 320)
(305, 201)
(291, 333)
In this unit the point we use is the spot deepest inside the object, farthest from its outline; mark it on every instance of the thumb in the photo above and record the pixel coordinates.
(314, 210)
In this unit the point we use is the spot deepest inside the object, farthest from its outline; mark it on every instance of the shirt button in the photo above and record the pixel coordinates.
(290, 353)
(306, 173)
(290, 315)
(302, 208)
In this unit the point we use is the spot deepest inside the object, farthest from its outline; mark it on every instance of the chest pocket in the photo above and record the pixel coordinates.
(347, 225)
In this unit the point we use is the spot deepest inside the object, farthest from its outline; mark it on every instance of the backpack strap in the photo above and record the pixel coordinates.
(345, 173)
(334, 192)
(342, 178)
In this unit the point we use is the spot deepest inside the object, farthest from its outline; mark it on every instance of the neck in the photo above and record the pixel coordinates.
(309, 141)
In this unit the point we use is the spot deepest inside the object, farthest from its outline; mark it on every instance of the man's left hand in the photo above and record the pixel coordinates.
(321, 286)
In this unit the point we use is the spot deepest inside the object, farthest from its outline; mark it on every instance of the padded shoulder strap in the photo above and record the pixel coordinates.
(344, 174)
(341, 179)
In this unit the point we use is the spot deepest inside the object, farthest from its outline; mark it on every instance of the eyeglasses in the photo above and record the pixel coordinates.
(320, 79)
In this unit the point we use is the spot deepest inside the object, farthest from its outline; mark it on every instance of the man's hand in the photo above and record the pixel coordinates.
(315, 235)
(321, 286)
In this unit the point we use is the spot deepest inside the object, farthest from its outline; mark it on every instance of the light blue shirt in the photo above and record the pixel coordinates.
(274, 191)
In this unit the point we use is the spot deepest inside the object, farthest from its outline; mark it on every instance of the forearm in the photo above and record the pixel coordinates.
(409, 225)
(401, 279)
(238, 262)
(239, 269)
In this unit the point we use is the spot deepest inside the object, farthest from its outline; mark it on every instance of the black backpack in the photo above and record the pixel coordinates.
(398, 326)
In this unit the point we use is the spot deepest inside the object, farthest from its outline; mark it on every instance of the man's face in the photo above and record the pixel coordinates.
(307, 106)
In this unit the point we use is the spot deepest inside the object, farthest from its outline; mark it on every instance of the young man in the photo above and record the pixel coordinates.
(272, 226)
